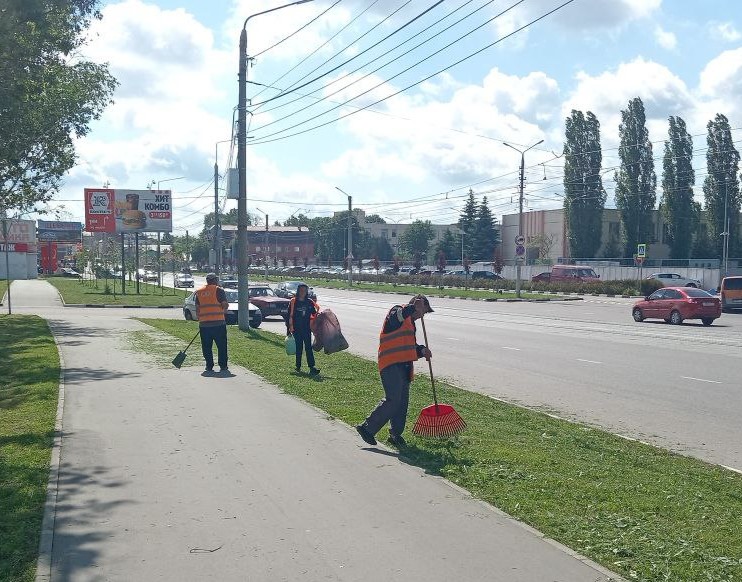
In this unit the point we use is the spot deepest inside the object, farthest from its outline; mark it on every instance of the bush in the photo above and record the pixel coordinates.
(649, 286)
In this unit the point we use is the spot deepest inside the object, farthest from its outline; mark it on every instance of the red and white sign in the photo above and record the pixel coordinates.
(49, 260)
(14, 247)
(112, 211)
(20, 231)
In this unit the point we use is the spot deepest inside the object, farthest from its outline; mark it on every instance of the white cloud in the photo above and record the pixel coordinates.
(664, 38)
(724, 31)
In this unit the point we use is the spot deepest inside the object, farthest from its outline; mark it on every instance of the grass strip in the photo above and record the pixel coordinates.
(641, 511)
(430, 290)
(77, 291)
(29, 382)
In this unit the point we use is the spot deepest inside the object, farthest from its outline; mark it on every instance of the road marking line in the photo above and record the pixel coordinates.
(511, 349)
(588, 361)
(701, 380)
(454, 339)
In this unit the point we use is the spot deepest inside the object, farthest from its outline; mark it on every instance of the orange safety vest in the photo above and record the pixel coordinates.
(398, 346)
(209, 309)
(312, 318)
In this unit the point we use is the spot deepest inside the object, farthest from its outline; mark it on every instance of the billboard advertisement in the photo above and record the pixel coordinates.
(116, 211)
(63, 232)
(21, 232)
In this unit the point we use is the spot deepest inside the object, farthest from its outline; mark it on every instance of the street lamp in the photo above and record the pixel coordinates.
(243, 316)
(350, 236)
(217, 241)
(159, 265)
(267, 251)
(520, 207)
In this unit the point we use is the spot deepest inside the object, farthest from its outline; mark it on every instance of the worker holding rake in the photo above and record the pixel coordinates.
(398, 350)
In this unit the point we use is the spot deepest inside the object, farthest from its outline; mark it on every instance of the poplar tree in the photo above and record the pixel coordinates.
(584, 195)
(678, 179)
(721, 186)
(636, 181)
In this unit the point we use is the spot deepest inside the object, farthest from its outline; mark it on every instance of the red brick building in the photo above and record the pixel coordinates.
(292, 244)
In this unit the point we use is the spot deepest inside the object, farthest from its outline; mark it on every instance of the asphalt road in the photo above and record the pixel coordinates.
(676, 387)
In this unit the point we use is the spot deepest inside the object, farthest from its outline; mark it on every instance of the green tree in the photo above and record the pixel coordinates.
(485, 236)
(636, 181)
(721, 186)
(449, 246)
(375, 219)
(416, 238)
(678, 179)
(584, 195)
(374, 246)
(48, 95)
(467, 222)
(298, 220)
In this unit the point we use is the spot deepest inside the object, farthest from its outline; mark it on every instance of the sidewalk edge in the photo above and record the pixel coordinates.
(46, 541)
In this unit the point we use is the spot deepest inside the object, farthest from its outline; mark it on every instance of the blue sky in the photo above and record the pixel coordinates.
(177, 64)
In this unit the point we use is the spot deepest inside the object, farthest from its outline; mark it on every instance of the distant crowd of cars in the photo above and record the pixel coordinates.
(315, 270)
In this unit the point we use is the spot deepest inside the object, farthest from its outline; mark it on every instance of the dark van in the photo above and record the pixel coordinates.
(574, 273)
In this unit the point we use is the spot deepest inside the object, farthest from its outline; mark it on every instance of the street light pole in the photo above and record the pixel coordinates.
(243, 317)
(520, 207)
(350, 236)
(217, 240)
(159, 264)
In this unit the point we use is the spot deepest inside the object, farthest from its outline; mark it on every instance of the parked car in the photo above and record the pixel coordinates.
(731, 293)
(189, 309)
(573, 273)
(676, 304)
(183, 280)
(287, 289)
(541, 278)
(675, 280)
(268, 303)
(67, 272)
(491, 275)
(228, 283)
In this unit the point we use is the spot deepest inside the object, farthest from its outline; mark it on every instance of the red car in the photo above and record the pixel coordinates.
(541, 278)
(265, 299)
(676, 304)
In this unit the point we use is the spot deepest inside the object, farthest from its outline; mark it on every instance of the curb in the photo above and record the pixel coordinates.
(100, 306)
(46, 541)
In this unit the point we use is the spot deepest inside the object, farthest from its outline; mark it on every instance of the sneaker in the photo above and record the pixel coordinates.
(365, 435)
(224, 370)
(397, 440)
(298, 369)
(313, 371)
(209, 371)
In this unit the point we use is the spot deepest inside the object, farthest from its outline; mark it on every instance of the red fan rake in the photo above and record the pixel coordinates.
(437, 420)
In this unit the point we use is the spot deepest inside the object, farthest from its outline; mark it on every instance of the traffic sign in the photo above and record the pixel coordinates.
(520, 240)
(641, 250)
(639, 261)
(520, 250)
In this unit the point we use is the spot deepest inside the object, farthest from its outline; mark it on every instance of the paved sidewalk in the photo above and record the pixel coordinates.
(167, 475)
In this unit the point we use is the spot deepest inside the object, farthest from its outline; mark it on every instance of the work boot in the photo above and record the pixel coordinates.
(313, 371)
(366, 435)
(397, 440)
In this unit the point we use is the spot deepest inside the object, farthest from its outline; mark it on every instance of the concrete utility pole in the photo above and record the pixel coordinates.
(217, 240)
(520, 207)
(350, 236)
(243, 300)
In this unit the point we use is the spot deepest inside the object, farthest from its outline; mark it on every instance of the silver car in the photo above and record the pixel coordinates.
(675, 280)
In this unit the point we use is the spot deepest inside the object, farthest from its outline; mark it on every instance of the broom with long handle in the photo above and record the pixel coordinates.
(437, 420)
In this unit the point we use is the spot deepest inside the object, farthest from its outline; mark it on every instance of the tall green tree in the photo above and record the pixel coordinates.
(375, 219)
(416, 238)
(449, 246)
(584, 195)
(678, 179)
(721, 186)
(49, 95)
(486, 235)
(467, 222)
(636, 181)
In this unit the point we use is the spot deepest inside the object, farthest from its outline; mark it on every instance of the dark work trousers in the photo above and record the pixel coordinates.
(303, 341)
(216, 334)
(393, 407)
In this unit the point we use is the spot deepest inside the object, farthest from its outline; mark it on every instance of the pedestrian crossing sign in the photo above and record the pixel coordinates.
(641, 250)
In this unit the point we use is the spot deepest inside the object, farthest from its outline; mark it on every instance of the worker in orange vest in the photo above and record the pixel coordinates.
(398, 350)
(211, 303)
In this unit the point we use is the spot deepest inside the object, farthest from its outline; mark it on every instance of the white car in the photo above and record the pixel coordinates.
(256, 318)
(675, 280)
(183, 280)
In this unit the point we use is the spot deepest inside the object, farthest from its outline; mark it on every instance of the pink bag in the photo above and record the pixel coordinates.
(327, 333)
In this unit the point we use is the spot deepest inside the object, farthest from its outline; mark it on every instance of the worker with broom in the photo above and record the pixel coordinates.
(398, 350)
(211, 303)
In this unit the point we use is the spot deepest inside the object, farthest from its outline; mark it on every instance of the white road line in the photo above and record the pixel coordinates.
(455, 339)
(511, 349)
(588, 361)
(701, 380)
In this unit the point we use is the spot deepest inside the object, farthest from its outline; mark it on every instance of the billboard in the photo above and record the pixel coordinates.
(63, 232)
(21, 232)
(116, 211)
